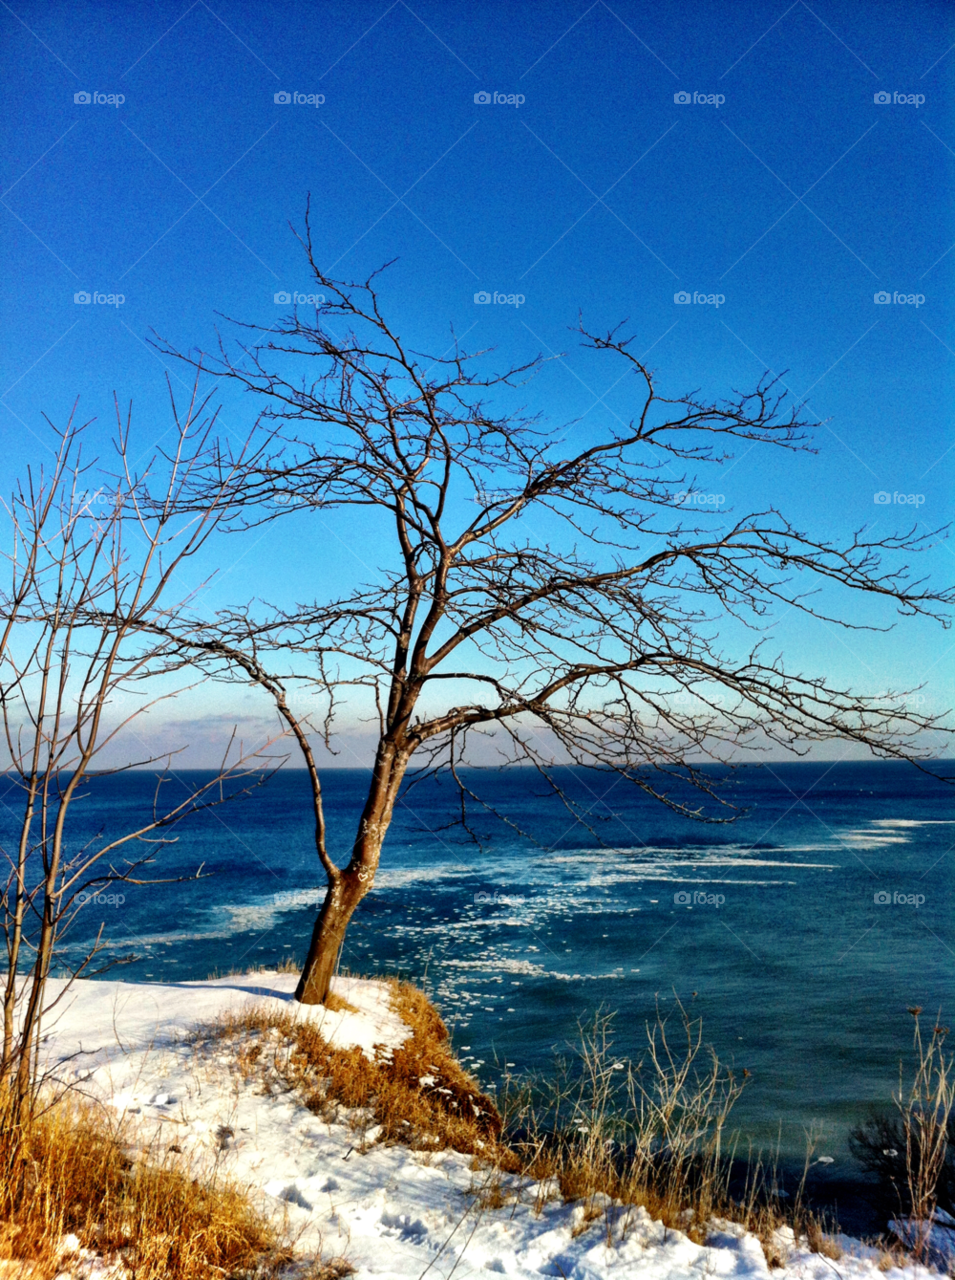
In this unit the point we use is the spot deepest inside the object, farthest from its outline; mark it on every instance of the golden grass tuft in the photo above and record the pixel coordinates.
(338, 1004)
(820, 1242)
(71, 1170)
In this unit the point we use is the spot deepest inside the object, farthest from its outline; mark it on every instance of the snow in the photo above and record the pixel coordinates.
(103, 1018)
(392, 1212)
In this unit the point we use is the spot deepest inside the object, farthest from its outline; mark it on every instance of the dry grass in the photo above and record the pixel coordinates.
(605, 1134)
(417, 1094)
(911, 1150)
(613, 1135)
(338, 1004)
(610, 1136)
(892, 1255)
(648, 1134)
(820, 1242)
(333, 1269)
(70, 1170)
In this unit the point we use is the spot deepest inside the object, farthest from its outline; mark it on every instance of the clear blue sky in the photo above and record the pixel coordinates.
(796, 199)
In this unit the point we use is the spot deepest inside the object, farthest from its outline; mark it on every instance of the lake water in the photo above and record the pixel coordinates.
(801, 934)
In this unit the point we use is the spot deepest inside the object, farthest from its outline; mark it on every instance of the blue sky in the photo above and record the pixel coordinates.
(783, 191)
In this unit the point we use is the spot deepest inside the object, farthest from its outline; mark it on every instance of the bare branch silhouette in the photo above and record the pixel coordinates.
(566, 599)
(92, 565)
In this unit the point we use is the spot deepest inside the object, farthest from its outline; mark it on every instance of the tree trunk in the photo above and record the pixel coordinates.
(350, 885)
(327, 936)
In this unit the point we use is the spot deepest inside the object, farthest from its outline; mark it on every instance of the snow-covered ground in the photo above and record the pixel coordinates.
(390, 1211)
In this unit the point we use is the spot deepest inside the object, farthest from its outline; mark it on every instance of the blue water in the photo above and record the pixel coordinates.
(799, 973)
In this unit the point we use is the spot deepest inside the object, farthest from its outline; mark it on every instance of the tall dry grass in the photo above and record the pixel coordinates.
(616, 1135)
(925, 1107)
(650, 1133)
(911, 1149)
(71, 1170)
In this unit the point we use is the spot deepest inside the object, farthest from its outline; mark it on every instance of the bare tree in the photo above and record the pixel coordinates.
(91, 561)
(569, 599)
